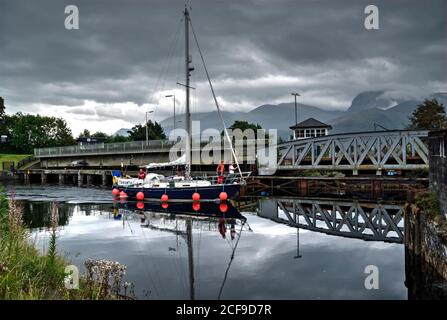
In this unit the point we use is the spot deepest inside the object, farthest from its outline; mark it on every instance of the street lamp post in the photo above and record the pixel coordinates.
(147, 125)
(296, 94)
(172, 96)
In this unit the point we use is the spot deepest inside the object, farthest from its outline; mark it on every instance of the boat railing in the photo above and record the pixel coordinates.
(227, 179)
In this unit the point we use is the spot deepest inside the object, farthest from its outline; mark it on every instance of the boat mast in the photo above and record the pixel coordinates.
(188, 114)
(190, 258)
(215, 100)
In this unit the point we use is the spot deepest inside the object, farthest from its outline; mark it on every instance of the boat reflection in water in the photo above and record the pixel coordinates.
(207, 215)
(197, 209)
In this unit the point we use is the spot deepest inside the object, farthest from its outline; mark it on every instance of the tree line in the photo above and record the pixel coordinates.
(22, 133)
(137, 133)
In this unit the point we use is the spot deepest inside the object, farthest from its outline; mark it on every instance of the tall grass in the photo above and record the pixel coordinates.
(25, 273)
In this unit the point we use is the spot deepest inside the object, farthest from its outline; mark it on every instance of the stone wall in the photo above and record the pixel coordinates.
(425, 256)
(437, 143)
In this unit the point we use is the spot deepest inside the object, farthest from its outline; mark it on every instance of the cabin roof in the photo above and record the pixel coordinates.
(310, 123)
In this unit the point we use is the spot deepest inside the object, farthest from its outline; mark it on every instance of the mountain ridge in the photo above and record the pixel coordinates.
(369, 108)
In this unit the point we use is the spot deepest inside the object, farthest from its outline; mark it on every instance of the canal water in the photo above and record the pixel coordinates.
(256, 252)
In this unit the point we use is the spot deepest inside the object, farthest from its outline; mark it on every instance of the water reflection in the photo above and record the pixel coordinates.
(198, 209)
(177, 218)
(250, 251)
(353, 219)
(37, 215)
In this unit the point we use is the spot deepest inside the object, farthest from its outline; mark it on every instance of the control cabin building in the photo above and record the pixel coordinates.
(310, 128)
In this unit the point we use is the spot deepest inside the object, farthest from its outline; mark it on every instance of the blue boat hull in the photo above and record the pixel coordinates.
(206, 193)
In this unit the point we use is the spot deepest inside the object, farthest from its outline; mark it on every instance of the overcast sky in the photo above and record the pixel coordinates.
(127, 55)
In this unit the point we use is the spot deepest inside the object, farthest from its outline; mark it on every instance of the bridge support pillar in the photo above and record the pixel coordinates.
(80, 178)
(26, 177)
(43, 177)
(303, 187)
(355, 172)
(89, 179)
(376, 188)
(378, 172)
(104, 178)
(61, 179)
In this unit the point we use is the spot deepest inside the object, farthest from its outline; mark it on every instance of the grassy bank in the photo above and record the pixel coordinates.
(5, 157)
(25, 273)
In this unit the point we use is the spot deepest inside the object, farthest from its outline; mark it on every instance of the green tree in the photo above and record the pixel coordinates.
(28, 131)
(429, 115)
(155, 132)
(244, 125)
(84, 134)
(100, 134)
(2, 107)
(3, 129)
(115, 139)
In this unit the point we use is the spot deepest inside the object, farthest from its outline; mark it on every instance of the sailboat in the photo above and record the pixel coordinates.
(156, 186)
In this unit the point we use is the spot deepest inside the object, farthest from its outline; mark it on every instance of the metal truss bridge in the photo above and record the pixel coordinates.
(377, 150)
(361, 220)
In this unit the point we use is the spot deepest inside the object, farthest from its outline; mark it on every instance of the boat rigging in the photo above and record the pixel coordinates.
(155, 186)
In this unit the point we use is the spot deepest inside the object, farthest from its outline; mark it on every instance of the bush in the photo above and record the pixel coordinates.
(429, 203)
(419, 173)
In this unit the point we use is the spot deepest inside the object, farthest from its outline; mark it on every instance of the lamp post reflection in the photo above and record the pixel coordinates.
(297, 244)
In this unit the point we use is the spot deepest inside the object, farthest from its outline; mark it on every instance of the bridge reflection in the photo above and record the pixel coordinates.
(352, 219)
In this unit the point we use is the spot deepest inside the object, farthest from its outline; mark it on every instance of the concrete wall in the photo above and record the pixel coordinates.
(437, 143)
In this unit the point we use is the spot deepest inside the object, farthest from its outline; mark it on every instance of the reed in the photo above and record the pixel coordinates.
(26, 273)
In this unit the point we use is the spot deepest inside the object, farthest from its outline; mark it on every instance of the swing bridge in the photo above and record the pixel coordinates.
(376, 150)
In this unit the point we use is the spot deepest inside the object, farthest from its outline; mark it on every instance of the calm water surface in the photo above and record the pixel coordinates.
(272, 260)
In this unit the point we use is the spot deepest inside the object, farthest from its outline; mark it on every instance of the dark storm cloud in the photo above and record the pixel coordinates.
(257, 51)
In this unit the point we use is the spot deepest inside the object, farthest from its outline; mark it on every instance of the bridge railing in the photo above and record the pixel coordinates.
(104, 148)
(357, 151)
(25, 161)
(128, 147)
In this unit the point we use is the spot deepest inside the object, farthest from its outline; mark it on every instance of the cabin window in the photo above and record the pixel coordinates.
(309, 133)
(300, 133)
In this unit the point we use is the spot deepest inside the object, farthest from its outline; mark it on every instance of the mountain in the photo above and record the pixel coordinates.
(396, 117)
(441, 97)
(279, 117)
(364, 121)
(370, 99)
(121, 132)
(367, 109)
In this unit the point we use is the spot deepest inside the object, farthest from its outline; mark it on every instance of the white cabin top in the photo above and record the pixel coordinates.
(310, 128)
